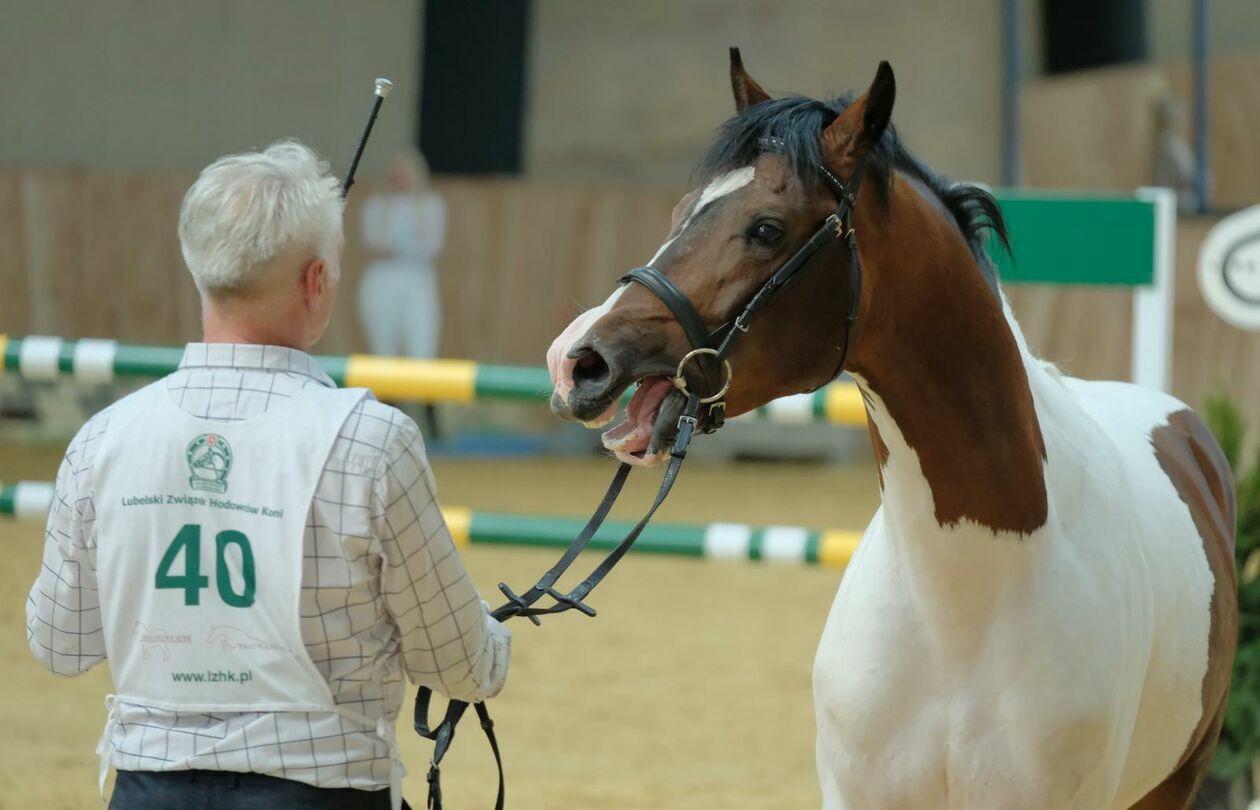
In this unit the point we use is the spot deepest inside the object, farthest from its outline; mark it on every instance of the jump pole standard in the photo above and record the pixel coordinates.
(93, 362)
(29, 501)
(1123, 240)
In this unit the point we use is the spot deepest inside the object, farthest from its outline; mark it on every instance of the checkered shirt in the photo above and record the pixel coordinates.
(372, 606)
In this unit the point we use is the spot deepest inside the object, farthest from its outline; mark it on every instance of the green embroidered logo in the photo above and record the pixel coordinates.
(209, 461)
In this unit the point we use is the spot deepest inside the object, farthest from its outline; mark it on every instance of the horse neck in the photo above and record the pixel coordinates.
(943, 374)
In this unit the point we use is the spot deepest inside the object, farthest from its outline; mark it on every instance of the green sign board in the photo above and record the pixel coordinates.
(1077, 240)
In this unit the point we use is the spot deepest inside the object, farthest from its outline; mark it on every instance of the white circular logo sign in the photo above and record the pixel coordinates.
(1229, 269)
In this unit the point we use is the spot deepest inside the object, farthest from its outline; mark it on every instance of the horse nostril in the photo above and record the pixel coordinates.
(591, 374)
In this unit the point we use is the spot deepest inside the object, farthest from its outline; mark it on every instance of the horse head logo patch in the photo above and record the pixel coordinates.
(209, 462)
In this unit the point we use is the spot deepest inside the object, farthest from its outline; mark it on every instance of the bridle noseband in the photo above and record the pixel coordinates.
(711, 350)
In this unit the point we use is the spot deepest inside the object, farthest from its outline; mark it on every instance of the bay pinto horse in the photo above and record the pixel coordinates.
(1042, 614)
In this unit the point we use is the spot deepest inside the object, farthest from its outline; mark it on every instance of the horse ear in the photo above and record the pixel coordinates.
(747, 92)
(856, 130)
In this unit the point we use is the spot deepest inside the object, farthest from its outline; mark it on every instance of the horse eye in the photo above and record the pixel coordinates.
(766, 234)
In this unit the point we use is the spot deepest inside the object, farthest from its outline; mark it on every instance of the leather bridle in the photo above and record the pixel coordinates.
(706, 412)
(711, 350)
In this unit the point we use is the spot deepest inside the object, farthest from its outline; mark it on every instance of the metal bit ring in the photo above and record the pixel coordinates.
(680, 382)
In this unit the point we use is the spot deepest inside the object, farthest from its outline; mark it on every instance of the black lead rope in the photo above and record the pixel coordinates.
(709, 360)
(445, 734)
(520, 605)
(523, 605)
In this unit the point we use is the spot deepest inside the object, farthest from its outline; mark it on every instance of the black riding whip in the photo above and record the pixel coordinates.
(383, 86)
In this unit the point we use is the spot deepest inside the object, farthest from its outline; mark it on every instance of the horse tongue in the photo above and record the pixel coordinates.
(635, 433)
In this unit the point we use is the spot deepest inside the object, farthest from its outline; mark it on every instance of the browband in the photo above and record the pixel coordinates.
(770, 143)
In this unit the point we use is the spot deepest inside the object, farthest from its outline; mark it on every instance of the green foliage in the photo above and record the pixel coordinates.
(1222, 416)
(1240, 738)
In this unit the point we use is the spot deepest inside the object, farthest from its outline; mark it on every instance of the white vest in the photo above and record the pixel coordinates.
(200, 531)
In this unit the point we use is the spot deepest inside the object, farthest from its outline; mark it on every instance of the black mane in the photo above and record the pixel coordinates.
(799, 122)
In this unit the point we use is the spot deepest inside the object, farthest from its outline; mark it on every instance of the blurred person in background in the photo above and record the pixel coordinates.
(258, 554)
(404, 229)
(1172, 158)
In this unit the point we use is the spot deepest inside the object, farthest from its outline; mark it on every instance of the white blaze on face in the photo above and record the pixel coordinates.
(559, 364)
(718, 188)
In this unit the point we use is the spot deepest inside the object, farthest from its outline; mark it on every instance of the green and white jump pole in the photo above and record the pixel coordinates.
(93, 362)
(29, 501)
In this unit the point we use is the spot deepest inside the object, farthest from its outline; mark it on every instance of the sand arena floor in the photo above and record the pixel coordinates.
(691, 689)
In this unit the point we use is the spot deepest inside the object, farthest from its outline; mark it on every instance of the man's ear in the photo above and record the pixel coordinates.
(856, 130)
(313, 280)
(747, 92)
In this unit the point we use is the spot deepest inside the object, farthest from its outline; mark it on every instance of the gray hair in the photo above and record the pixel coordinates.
(244, 211)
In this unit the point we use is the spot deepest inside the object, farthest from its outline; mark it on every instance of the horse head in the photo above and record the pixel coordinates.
(754, 209)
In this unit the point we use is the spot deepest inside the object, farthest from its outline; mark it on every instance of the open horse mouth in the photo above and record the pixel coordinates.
(646, 434)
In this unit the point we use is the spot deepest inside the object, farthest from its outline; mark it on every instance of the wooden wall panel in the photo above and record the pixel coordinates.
(131, 249)
(1085, 331)
(1096, 129)
(55, 226)
(15, 307)
(523, 259)
(92, 254)
(95, 253)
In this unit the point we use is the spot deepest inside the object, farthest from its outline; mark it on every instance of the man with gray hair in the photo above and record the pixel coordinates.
(258, 554)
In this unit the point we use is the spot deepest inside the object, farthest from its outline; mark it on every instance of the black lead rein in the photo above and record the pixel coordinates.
(523, 605)
(711, 352)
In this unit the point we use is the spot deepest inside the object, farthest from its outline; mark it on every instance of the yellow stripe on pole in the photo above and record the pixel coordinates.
(836, 547)
(459, 523)
(424, 380)
(844, 405)
(4, 342)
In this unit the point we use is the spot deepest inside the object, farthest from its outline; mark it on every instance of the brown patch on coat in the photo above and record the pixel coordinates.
(1179, 790)
(880, 449)
(1191, 458)
(934, 344)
